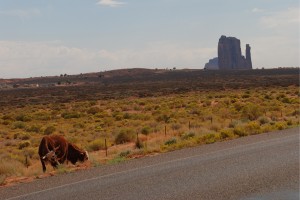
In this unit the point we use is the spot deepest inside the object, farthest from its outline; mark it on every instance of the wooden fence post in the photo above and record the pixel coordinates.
(105, 147)
(165, 130)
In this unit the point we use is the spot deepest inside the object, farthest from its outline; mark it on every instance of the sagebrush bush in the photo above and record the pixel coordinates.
(240, 131)
(209, 138)
(49, 130)
(24, 144)
(281, 125)
(263, 120)
(125, 135)
(226, 133)
(171, 141)
(251, 111)
(96, 145)
(188, 135)
(18, 125)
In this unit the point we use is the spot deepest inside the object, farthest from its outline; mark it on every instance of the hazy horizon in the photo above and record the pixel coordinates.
(48, 38)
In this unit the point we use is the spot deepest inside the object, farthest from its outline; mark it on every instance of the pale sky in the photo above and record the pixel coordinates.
(40, 38)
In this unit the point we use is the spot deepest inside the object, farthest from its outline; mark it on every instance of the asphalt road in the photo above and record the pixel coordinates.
(264, 167)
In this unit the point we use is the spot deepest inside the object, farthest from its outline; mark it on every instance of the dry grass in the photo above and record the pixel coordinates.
(192, 118)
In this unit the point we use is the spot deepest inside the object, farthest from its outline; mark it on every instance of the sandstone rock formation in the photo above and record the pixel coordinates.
(230, 55)
(212, 64)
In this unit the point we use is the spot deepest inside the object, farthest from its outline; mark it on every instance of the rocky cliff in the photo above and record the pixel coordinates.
(230, 55)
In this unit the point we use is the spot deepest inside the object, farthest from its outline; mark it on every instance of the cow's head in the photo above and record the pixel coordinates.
(83, 156)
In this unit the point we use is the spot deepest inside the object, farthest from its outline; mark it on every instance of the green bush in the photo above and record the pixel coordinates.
(93, 110)
(251, 111)
(125, 135)
(146, 130)
(209, 138)
(70, 115)
(253, 127)
(18, 125)
(240, 131)
(24, 136)
(171, 141)
(24, 144)
(49, 130)
(281, 125)
(124, 154)
(263, 120)
(23, 118)
(234, 123)
(34, 128)
(96, 145)
(188, 135)
(226, 133)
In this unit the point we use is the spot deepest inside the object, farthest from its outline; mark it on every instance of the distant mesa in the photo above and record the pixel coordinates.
(212, 64)
(230, 55)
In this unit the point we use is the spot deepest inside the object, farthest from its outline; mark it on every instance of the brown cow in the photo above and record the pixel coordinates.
(56, 150)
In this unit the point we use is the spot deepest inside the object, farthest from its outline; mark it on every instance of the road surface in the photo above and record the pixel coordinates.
(263, 166)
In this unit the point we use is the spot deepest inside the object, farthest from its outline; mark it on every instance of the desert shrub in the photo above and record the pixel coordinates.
(146, 130)
(23, 118)
(6, 122)
(70, 115)
(171, 141)
(281, 125)
(238, 106)
(78, 125)
(96, 145)
(226, 133)
(49, 130)
(286, 100)
(209, 138)
(176, 126)
(10, 167)
(43, 116)
(251, 111)
(188, 135)
(253, 127)
(124, 154)
(24, 136)
(118, 116)
(163, 118)
(125, 135)
(245, 96)
(126, 116)
(296, 112)
(139, 144)
(215, 127)
(34, 128)
(263, 120)
(93, 110)
(24, 144)
(7, 117)
(30, 152)
(240, 131)
(289, 122)
(234, 123)
(18, 125)
(268, 97)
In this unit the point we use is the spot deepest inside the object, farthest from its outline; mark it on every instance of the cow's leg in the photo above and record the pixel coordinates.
(43, 165)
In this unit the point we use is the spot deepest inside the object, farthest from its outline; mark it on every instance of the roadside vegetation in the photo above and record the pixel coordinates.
(139, 126)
